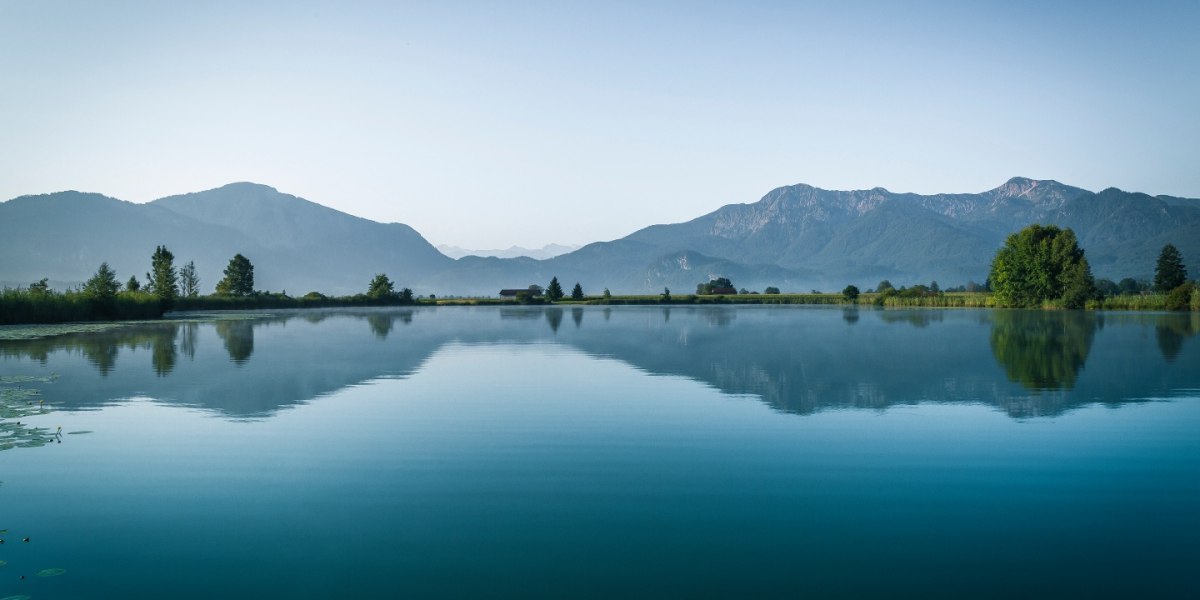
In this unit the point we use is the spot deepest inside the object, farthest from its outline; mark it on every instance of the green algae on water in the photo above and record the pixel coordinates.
(53, 572)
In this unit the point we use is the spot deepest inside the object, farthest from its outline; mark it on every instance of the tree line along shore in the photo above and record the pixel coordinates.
(1038, 267)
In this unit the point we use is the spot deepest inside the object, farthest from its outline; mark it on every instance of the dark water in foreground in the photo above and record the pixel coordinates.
(597, 453)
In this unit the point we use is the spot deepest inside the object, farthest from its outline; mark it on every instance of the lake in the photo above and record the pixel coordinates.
(593, 452)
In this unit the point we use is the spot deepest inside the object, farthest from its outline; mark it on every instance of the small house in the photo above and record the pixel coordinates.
(533, 290)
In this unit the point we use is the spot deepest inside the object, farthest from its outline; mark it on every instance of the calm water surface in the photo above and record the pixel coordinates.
(612, 452)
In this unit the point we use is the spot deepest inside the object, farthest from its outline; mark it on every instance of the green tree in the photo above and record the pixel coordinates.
(1041, 263)
(666, 295)
(132, 285)
(884, 285)
(102, 288)
(1129, 285)
(771, 290)
(1180, 297)
(1107, 287)
(577, 292)
(554, 291)
(239, 278)
(607, 294)
(40, 287)
(381, 287)
(718, 283)
(1169, 273)
(162, 281)
(189, 281)
(850, 293)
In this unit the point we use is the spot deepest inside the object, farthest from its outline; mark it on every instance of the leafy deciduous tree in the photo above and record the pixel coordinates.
(1041, 263)
(162, 280)
(239, 278)
(102, 287)
(381, 287)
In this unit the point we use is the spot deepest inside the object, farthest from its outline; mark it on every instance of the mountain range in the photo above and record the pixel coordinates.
(796, 238)
(547, 251)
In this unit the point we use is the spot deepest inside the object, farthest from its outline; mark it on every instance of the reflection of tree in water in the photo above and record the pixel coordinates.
(718, 315)
(1171, 330)
(101, 352)
(916, 318)
(101, 349)
(381, 324)
(1043, 350)
(850, 315)
(666, 314)
(607, 314)
(162, 352)
(238, 336)
(577, 316)
(554, 316)
(187, 338)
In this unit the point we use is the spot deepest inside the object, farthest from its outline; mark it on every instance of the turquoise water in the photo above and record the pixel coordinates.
(622, 452)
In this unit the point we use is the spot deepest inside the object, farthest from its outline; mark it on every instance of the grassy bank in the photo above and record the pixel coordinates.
(22, 306)
(19, 306)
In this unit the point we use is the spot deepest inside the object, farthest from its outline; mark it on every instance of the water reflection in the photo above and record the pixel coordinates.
(554, 317)
(381, 325)
(163, 351)
(1043, 350)
(796, 360)
(238, 336)
(1171, 330)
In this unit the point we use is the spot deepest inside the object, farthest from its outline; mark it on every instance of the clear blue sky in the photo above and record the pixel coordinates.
(496, 123)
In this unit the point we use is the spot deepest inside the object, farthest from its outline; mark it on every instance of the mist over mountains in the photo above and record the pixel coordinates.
(796, 237)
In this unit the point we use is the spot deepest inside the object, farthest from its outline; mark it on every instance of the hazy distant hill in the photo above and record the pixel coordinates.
(547, 251)
(294, 244)
(796, 238)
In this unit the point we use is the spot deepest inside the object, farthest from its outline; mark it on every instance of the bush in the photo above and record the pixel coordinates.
(1180, 298)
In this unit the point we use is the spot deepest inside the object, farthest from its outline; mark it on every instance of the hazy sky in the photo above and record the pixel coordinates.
(497, 123)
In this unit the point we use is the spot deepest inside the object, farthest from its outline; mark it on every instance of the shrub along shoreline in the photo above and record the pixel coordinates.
(23, 307)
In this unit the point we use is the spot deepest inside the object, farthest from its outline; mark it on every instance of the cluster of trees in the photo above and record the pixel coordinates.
(103, 296)
(1045, 264)
(382, 289)
(723, 284)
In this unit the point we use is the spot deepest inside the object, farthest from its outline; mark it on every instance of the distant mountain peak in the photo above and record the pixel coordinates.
(1036, 190)
(248, 186)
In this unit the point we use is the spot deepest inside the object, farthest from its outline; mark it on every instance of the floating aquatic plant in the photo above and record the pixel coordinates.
(54, 572)
(79, 432)
(17, 403)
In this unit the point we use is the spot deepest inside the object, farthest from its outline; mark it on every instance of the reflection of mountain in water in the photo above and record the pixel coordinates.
(796, 359)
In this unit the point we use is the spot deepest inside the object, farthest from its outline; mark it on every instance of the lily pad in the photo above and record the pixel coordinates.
(3, 562)
(55, 572)
(79, 432)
